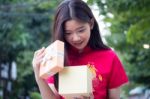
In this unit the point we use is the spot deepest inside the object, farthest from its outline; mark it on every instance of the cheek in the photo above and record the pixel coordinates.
(88, 34)
(68, 39)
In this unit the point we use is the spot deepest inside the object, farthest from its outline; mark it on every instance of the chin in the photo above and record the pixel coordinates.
(80, 48)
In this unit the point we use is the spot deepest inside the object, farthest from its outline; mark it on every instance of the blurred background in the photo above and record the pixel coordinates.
(26, 25)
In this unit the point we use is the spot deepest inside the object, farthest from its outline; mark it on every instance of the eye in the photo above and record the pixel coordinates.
(82, 30)
(67, 34)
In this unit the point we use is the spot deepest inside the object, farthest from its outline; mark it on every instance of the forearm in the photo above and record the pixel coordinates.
(46, 91)
(114, 93)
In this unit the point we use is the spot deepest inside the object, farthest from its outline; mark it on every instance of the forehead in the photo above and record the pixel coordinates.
(73, 24)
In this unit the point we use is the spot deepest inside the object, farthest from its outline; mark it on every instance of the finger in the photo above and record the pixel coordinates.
(36, 62)
(39, 51)
(38, 58)
(41, 55)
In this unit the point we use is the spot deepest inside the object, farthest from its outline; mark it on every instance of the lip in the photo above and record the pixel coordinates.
(78, 44)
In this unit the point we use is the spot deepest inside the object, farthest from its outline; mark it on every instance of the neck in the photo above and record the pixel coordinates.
(80, 51)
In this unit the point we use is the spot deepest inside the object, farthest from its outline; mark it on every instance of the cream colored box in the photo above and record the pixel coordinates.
(75, 81)
(53, 60)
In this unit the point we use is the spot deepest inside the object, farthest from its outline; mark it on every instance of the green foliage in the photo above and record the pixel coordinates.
(138, 29)
(35, 95)
(25, 26)
(129, 32)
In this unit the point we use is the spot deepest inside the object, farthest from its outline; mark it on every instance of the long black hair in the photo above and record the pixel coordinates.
(78, 10)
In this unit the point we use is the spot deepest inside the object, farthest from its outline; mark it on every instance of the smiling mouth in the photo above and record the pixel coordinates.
(77, 44)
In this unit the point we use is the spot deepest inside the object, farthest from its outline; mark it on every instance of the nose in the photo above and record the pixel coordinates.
(75, 37)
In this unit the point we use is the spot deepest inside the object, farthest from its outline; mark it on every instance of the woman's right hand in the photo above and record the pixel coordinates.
(45, 90)
(37, 59)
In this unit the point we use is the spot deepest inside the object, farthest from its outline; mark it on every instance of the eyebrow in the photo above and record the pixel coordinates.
(81, 27)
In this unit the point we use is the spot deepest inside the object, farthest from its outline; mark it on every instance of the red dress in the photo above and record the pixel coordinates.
(108, 66)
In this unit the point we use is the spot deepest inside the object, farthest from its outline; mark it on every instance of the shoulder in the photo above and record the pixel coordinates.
(107, 56)
(108, 53)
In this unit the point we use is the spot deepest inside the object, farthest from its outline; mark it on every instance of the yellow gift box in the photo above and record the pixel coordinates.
(53, 61)
(75, 81)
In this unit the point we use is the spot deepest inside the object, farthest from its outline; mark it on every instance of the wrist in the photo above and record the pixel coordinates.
(39, 80)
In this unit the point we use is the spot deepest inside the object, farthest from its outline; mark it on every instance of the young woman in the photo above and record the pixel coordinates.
(76, 26)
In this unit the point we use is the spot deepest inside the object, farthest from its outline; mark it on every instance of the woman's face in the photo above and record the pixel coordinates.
(77, 33)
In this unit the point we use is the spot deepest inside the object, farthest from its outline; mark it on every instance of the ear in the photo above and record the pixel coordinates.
(91, 23)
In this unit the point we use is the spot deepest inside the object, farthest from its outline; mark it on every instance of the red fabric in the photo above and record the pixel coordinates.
(108, 66)
(50, 80)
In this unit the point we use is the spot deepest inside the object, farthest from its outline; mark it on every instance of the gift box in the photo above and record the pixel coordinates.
(75, 81)
(53, 61)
